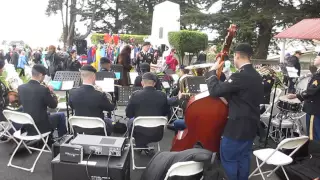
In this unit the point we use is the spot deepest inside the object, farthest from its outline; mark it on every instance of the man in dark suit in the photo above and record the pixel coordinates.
(105, 64)
(244, 93)
(145, 68)
(89, 101)
(147, 102)
(293, 61)
(35, 98)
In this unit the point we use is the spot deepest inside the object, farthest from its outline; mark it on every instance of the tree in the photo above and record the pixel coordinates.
(69, 10)
(181, 41)
(256, 20)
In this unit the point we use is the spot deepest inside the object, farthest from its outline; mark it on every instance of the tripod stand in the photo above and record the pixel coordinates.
(271, 113)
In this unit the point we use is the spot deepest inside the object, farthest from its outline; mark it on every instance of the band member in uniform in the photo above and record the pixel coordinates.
(89, 101)
(146, 102)
(145, 68)
(144, 56)
(35, 97)
(311, 98)
(105, 64)
(244, 93)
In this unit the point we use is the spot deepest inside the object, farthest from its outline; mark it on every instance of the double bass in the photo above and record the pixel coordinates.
(205, 116)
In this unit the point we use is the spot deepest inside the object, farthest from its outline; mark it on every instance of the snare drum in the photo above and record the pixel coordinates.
(292, 105)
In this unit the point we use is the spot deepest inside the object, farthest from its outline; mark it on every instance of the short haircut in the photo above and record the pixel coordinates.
(35, 73)
(86, 74)
(147, 81)
(243, 55)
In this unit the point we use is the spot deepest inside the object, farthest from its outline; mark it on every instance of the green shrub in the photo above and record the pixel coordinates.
(138, 39)
(188, 41)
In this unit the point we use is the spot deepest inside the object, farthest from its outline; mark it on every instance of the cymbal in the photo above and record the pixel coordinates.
(199, 66)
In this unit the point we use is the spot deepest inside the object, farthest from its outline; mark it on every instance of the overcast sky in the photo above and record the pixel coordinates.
(26, 20)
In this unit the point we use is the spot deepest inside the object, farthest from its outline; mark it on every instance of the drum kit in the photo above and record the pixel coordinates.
(287, 123)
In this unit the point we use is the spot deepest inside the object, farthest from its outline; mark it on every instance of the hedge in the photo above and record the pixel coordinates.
(138, 39)
(188, 41)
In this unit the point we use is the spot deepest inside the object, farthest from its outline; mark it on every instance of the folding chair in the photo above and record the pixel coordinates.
(147, 122)
(266, 114)
(184, 169)
(175, 110)
(87, 123)
(277, 158)
(4, 132)
(23, 118)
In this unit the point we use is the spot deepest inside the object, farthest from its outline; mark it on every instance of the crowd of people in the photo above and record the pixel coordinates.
(237, 88)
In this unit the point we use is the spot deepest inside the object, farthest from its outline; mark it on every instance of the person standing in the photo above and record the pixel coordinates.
(15, 56)
(244, 111)
(21, 63)
(144, 56)
(72, 63)
(125, 61)
(293, 61)
(311, 98)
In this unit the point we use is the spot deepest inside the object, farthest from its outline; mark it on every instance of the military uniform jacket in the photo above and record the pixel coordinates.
(268, 82)
(244, 93)
(147, 102)
(87, 101)
(35, 98)
(144, 57)
(311, 96)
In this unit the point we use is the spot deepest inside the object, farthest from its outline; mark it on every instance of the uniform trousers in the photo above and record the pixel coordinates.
(316, 126)
(235, 158)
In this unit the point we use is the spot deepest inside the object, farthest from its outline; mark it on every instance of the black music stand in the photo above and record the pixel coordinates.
(117, 68)
(104, 74)
(68, 76)
(193, 83)
(124, 94)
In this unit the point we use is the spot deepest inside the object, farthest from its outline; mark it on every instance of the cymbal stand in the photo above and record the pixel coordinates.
(271, 113)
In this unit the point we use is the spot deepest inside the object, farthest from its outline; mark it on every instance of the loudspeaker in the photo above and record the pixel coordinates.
(81, 47)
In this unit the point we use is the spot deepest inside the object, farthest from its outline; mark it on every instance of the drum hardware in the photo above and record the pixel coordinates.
(289, 105)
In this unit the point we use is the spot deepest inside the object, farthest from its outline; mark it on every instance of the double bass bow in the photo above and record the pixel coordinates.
(205, 116)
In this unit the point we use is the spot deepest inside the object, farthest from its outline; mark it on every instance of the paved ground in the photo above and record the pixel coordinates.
(43, 168)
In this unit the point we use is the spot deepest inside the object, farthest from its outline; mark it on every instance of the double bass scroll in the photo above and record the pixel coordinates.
(205, 116)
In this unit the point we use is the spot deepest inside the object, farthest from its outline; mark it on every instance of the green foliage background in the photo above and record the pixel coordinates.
(188, 41)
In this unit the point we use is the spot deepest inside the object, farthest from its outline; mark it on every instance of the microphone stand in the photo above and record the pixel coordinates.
(270, 117)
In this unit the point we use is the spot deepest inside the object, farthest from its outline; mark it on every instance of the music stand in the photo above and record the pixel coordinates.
(104, 74)
(124, 94)
(193, 83)
(74, 76)
(117, 68)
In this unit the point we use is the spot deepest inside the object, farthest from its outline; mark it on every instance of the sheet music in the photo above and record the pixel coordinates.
(133, 76)
(166, 85)
(107, 85)
(175, 78)
(47, 79)
(203, 87)
(67, 85)
(292, 72)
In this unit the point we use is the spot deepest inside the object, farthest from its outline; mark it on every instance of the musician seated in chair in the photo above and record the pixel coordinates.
(145, 68)
(105, 64)
(311, 98)
(89, 101)
(146, 102)
(35, 97)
